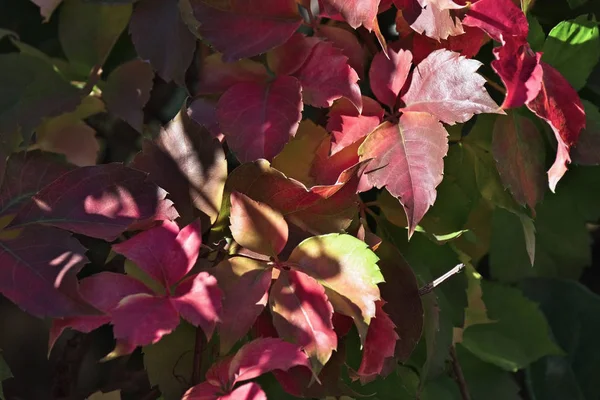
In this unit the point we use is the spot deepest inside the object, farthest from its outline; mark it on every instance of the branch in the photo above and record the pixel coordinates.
(458, 375)
(198, 349)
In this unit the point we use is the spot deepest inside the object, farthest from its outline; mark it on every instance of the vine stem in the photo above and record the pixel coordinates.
(495, 85)
(95, 75)
(198, 349)
(459, 376)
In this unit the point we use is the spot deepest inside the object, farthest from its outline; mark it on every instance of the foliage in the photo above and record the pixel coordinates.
(262, 199)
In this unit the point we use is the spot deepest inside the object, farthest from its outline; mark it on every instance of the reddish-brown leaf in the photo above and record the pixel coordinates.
(164, 252)
(256, 226)
(204, 112)
(160, 36)
(587, 149)
(559, 105)
(302, 314)
(241, 28)
(76, 141)
(518, 148)
(245, 284)
(446, 85)
(128, 90)
(190, 164)
(408, 161)
(379, 346)
(327, 170)
(216, 76)
(39, 271)
(355, 12)
(259, 119)
(288, 58)
(498, 18)
(100, 201)
(436, 20)
(347, 125)
(388, 74)
(346, 41)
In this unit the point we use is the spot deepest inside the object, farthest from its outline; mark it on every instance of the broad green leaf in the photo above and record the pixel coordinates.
(401, 384)
(88, 31)
(520, 336)
(573, 313)
(573, 48)
(4, 373)
(441, 388)
(169, 359)
(348, 270)
(536, 36)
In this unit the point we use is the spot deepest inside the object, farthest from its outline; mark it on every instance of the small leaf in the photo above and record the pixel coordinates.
(259, 119)
(302, 314)
(573, 48)
(256, 226)
(388, 74)
(160, 36)
(88, 31)
(408, 161)
(436, 20)
(347, 268)
(128, 90)
(98, 201)
(241, 29)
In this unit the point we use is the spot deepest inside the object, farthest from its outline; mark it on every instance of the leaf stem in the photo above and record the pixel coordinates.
(495, 85)
(436, 282)
(198, 349)
(459, 376)
(95, 75)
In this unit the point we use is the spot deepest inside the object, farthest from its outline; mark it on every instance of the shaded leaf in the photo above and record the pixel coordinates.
(518, 149)
(302, 314)
(259, 119)
(587, 149)
(88, 31)
(559, 105)
(216, 75)
(245, 284)
(256, 226)
(160, 36)
(347, 125)
(127, 91)
(4, 373)
(77, 142)
(456, 93)
(98, 201)
(347, 268)
(190, 164)
(47, 7)
(241, 29)
(388, 73)
(408, 161)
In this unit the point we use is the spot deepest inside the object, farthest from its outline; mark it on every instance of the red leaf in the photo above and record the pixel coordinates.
(347, 125)
(190, 164)
(347, 42)
(302, 314)
(436, 20)
(327, 170)
(144, 319)
(256, 226)
(379, 346)
(288, 58)
(518, 148)
(558, 104)
(160, 36)
(99, 201)
(203, 391)
(264, 355)
(355, 12)
(408, 161)
(241, 28)
(446, 85)
(498, 18)
(39, 271)
(127, 91)
(259, 119)
(245, 284)
(520, 71)
(206, 391)
(26, 173)
(468, 44)
(388, 75)
(164, 252)
(216, 76)
(198, 301)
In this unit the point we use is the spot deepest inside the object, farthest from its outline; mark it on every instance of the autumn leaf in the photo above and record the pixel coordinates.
(216, 75)
(436, 20)
(500, 19)
(355, 12)
(388, 74)
(408, 161)
(346, 40)
(347, 125)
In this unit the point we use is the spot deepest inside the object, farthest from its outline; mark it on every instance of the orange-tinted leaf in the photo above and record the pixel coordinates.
(518, 148)
(388, 74)
(302, 314)
(347, 125)
(259, 119)
(240, 28)
(446, 85)
(408, 161)
(256, 226)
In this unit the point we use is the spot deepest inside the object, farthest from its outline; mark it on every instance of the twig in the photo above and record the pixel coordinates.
(198, 349)
(431, 285)
(458, 375)
(495, 85)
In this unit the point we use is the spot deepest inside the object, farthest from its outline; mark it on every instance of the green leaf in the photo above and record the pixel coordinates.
(573, 313)
(88, 31)
(520, 335)
(348, 270)
(536, 36)
(576, 3)
(170, 359)
(573, 48)
(4, 373)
